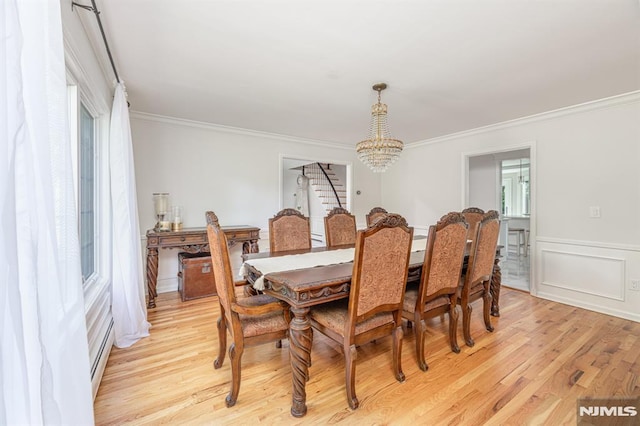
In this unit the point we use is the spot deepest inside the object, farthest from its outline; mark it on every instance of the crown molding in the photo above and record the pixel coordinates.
(234, 130)
(625, 98)
(609, 102)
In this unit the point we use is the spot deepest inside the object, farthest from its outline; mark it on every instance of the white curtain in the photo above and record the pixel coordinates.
(44, 356)
(128, 303)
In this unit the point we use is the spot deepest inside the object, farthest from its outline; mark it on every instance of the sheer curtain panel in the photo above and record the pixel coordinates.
(128, 303)
(44, 359)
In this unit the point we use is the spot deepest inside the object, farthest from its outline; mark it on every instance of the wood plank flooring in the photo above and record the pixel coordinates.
(541, 358)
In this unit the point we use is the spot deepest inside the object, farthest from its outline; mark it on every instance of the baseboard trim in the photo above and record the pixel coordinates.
(588, 306)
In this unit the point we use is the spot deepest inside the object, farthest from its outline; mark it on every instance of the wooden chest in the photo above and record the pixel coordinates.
(195, 276)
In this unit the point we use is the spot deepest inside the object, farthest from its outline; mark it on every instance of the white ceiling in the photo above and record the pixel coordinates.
(305, 68)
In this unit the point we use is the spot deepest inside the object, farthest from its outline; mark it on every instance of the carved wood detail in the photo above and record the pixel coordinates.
(192, 240)
(494, 288)
(374, 214)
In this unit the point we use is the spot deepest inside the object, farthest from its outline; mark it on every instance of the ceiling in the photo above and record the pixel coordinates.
(305, 68)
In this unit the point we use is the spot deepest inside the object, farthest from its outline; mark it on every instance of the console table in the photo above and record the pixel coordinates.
(192, 240)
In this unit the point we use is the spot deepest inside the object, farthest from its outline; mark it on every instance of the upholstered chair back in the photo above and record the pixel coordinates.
(289, 230)
(485, 251)
(445, 254)
(380, 266)
(339, 227)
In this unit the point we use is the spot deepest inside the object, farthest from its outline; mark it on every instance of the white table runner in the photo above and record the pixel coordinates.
(267, 265)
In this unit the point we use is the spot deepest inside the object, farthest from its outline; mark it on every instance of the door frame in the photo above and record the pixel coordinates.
(317, 226)
(347, 164)
(531, 145)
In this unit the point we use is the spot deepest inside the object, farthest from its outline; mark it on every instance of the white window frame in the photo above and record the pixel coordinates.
(101, 275)
(97, 288)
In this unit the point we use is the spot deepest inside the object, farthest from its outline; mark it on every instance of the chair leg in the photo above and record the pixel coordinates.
(350, 355)
(222, 342)
(421, 328)
(486, 308)
(235, 355)
(453, 328)
(397, 353)
(466, 324)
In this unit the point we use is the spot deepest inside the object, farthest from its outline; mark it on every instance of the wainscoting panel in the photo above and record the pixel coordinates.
(596, 275)
(590, 275)
(100, 335)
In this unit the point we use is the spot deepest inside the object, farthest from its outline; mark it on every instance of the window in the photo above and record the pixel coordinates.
(87, 192)
(88, 131)
(515, 187)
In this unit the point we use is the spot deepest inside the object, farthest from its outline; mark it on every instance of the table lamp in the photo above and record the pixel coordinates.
(161, 206)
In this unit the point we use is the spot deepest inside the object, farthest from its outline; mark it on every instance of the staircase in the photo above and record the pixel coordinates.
(327, 186)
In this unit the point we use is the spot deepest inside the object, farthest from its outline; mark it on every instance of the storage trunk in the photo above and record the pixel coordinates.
(195, 276)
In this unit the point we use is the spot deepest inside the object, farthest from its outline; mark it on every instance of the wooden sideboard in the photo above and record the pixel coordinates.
(192, 240)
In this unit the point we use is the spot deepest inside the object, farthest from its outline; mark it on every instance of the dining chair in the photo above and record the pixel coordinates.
(436, 294)
(248, 320)
(373, 309)
(289, 230)
(473, 216)
(374, 214)
(339, 227)
(477, 279)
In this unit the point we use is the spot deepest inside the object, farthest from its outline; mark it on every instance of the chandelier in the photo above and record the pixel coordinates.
(380, 150)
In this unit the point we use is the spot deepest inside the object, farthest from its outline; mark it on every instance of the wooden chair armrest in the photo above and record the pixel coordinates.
(241, 283)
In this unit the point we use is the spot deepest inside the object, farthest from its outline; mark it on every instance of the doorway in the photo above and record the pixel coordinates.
(503, 180)
(291, 168)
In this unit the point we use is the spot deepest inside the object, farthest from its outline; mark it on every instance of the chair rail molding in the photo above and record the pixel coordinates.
(596, 244)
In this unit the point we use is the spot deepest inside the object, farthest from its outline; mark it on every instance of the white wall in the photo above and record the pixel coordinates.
(583, 156)
(234, 172)
(483, 183)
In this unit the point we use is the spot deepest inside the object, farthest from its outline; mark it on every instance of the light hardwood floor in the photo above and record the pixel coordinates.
(531, 370)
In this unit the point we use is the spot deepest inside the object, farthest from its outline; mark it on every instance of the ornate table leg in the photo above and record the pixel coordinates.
(300, 340)
(152, 276)
(494, 289)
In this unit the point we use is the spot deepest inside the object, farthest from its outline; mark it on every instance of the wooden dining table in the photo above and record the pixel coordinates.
(307, 287)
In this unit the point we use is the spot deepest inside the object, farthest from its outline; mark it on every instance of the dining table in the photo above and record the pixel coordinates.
(286, 276)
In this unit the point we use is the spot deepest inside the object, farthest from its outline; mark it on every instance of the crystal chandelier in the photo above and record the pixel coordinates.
(380, 150)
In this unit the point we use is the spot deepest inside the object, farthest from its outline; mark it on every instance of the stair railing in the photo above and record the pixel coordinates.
(330, 184)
